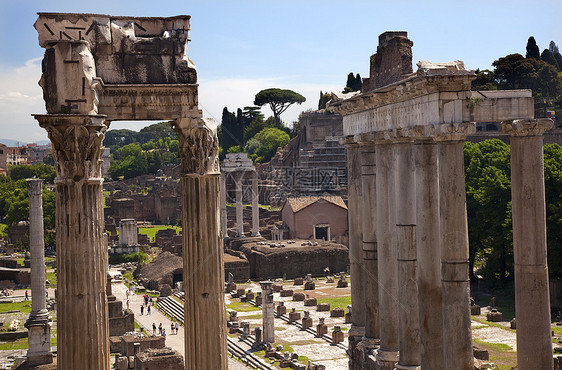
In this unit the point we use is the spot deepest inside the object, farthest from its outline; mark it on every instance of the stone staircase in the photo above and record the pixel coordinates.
(171, 307)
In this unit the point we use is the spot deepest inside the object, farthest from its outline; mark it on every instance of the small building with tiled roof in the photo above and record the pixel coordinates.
(316, 217)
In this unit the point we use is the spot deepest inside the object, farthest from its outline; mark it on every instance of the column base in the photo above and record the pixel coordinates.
(39, 339)
(39, 359)
(386, 360)
(369, 343)
(407, 367)
(256, 234)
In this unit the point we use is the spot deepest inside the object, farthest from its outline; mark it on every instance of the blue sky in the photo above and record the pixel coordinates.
(241, 47)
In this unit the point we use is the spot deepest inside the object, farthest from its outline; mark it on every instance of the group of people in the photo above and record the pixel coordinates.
(147, 302)
(162, 331)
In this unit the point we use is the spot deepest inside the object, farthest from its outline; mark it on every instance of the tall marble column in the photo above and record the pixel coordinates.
(203, 272)
(255, 206)
(82, 326)
(224, 217)
(370, 257)
(405, 240)
(238, 176)
(428, 252)
(357, 330)
(268, 311)
(532, 301)
(387, 354)
(37, 324)
(457, 338)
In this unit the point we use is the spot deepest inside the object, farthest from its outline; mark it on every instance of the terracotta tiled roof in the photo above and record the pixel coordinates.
(299, 203)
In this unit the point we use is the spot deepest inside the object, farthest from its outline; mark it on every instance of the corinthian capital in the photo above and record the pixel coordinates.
(199, 145)
(77, 144)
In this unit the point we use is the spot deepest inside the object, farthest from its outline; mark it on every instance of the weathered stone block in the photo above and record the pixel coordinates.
(298, 281)
(480, 353)
(513, 324)
(230, 287)
(321, 329)
(299, 297)
(277, 287)
(281, 310)
(250, 296)
(122, 363)
(494, 316)
(286, 293)
(240, 292)
(337, 312)
(323, 307)
(294, 316)
(307, 322)
(475, 310)
(309, 285)
(342, 283)
(159, 359)
(337, 337)
(310, 302)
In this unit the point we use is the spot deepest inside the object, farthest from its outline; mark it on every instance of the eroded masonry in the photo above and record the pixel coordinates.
(98, 69)
(404, 135)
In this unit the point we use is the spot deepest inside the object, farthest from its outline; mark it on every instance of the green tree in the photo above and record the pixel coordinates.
(39, 170)
(324, 99)
(548, 57)
(532, 49)
(132, 162)
(265, 143)
(279, 100)
(485, 80)
(553, 195)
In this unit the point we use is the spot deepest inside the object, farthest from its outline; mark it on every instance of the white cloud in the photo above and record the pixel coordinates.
(21, 96)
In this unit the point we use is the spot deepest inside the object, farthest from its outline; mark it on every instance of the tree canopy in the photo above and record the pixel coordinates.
(353, 83)
(279, 100)
(532, 49)
(263, 146)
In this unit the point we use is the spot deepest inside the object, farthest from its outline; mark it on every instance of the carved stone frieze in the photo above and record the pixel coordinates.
(199, 145)
(77, 144)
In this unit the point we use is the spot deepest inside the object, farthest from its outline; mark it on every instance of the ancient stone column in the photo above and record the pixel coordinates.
(532, 301)
(82, 327)
(405, 240)
(457, 333)
(355, 222)
(370, 258)
(428, 251)
(203, 271)
(239, 204)
(37, 324)
(268, 311)
(387, 354)
(255, 206)
(224, 217)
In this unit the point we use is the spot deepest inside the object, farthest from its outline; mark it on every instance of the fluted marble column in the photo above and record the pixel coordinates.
(429, 251)
(37, 324)
(268, 311)
(255, 206)
(532, 301)
(370, 256)
(457, 333)
(203, 271)
(238, 176)
(354, 213)
(82, 326)
(405, 241)
(387, 354)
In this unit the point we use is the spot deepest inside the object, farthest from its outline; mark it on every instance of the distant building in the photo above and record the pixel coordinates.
(316, 217)
(3, 159)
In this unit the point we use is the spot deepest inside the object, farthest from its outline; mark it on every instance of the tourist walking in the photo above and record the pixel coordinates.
(160, 329)
(26, 295)
(164, 333)
(148, 310)
(153, 329)
(172, 327)
(142, 309)
(177, 327)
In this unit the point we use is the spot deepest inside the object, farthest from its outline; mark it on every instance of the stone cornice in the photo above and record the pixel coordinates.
(410, 88)
(440, 133)
(532, 127)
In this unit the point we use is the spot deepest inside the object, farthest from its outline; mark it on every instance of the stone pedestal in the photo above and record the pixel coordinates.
(268, 312)
(82, 327)
(306, 322)
(294, 316)
(337, 335)
(457, 333)
(39, 328)
(428, 253)
(321, 328)
(532, 301)
(203, 272)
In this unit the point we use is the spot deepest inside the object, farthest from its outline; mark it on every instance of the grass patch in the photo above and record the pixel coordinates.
(496, 347)
(152, 230)
(252, 317)
(286, 347)
(20, 343)
(139, 257)
(280, 328)
(52, 277)
(557, 329)
(342, 302)
(242, 307)
(489, 323)
(24, 306)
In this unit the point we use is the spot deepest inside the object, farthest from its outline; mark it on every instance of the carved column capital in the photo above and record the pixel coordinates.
(77, 144)
(199, 145)
(527, 127)
(34, 186)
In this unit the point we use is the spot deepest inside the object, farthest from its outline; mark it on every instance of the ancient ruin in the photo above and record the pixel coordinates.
(404, 135)
(97, 69)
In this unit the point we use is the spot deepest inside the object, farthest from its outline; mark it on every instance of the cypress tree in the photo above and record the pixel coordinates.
(532, 49)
